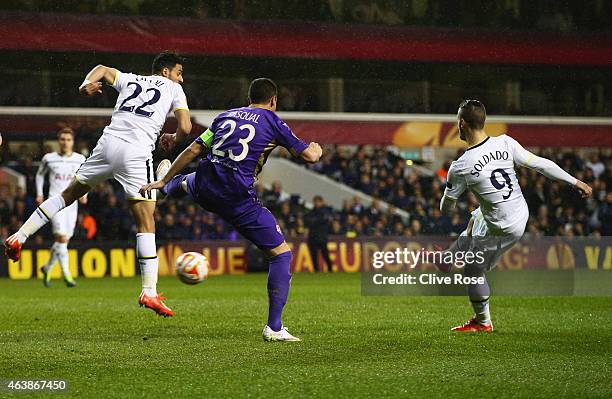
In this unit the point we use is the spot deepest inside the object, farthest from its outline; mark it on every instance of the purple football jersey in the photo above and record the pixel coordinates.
(240, 141)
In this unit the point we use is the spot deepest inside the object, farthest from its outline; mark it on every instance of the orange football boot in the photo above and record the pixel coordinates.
(473, 326)
(156, 304)
(12, 248)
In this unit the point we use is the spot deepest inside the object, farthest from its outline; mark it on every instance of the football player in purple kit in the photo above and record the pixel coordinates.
(237, 145)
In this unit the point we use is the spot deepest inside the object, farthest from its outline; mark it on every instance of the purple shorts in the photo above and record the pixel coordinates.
(249, 217)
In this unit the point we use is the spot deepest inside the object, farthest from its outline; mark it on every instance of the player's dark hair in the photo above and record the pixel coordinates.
(167, 59)
(262, 90)
(473, 112)
(65, 130)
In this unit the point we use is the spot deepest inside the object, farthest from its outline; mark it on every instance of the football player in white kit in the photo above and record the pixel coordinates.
(124, 152)
(61, 167)
(487, 170)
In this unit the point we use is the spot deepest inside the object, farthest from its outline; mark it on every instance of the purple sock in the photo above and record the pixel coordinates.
(173, 187)
(279, 281)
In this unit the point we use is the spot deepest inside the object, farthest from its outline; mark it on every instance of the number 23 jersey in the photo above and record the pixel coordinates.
(142, 107)
(240, 141)
(487, 170)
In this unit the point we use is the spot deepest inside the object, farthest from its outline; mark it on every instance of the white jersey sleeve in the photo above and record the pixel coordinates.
(455, 182)
(544, 166)
(40, 176)
(120, 80)
(180, 99)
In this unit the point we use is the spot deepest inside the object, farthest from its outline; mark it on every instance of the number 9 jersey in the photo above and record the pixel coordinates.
(487, 170)
(142, 107)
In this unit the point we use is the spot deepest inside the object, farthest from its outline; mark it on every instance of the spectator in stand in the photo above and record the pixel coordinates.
(318, 223)
(437, 224)
(401, 200)
(167, 230)
(272, 198)
(357, 207)
(366, 185)
(605, 216)
(115, 222)
(374, 212)
(287, 216)
(595, 165)
(299, 229)
(336, 228)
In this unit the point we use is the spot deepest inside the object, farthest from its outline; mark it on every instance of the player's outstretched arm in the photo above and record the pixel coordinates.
(312, 153)
(549, 169)
(183, 119)
(185, 158)
(92, 84)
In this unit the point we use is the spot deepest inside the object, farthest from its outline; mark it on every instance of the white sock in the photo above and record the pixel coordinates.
(146, 252)
(52, 259)
(62, 254)
(481, 309)
(41, 216)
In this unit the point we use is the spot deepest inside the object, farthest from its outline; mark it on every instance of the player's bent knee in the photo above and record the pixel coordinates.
(281, 249)
(61, 239)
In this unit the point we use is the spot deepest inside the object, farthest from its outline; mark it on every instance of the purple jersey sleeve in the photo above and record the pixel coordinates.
(286, 138)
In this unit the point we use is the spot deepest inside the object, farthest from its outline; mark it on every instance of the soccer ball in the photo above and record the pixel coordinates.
(191, 267)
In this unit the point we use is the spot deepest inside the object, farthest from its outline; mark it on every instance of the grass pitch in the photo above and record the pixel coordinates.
(98, 339)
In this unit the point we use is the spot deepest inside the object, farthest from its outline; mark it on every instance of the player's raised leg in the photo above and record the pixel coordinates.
(43, 215)
(146, 252)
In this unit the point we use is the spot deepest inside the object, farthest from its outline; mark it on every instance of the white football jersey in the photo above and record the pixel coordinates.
(142, 107)
(61, 170)
(487, 170)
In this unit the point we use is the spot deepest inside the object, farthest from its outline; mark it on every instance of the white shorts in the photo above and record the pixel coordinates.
(64, 221)
(129, 164)
(493, 245)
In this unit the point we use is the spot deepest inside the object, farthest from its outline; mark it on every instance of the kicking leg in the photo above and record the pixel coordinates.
(176, 187)
(41, 216)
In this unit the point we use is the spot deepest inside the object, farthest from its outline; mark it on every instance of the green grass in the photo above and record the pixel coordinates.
(96, 337)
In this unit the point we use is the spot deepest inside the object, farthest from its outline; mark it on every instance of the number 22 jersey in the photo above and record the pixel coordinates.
(142, 107)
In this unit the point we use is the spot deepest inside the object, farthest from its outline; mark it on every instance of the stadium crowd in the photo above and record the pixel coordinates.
(555, 209)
